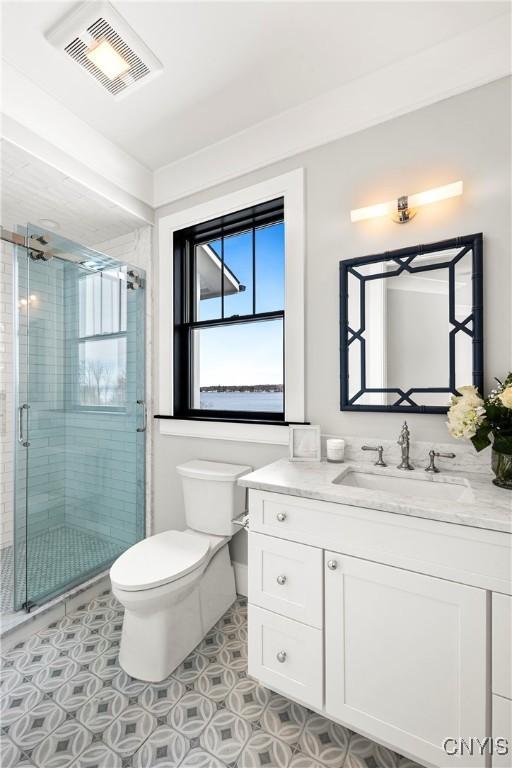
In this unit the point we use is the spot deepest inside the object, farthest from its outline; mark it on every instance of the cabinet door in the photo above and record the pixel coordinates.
(502, 732)
(405, 657)
(502, 645)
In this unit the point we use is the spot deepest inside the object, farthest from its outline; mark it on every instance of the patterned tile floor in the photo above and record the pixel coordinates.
(55, 558)
(65, 701)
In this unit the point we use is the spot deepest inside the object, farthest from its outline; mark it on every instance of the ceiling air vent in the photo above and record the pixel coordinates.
(97, 37)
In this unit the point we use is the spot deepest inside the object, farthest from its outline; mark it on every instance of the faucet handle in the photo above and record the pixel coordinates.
(380, 450)
(432, 457)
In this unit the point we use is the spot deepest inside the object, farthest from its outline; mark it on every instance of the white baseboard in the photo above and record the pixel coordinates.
(241, 578)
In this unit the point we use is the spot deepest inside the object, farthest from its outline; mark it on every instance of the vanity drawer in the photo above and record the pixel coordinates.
(502, 645)
(286, 656)
(286, 578)
(461, 553)
(282, 516)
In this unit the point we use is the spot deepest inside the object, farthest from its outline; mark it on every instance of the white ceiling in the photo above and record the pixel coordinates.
(33, 190)
(230, 65)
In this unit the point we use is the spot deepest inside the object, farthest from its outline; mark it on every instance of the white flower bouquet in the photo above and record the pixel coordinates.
(485, 422)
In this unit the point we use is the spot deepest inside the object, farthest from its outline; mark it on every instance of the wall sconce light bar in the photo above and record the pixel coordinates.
(406, 206)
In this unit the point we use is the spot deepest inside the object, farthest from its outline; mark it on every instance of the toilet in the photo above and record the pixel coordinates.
(176, 585)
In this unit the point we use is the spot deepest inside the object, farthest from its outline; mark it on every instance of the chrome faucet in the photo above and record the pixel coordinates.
(404, 441)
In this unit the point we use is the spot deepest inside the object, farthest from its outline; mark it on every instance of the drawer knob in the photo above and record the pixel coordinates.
(332, 564)
(281, 516)
(281, 656)
(281, 579)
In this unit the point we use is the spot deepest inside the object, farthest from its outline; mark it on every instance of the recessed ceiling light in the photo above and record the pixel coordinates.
(49, 224)
(108, 60)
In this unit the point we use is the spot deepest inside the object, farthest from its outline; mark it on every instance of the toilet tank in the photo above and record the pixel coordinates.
(212, 496)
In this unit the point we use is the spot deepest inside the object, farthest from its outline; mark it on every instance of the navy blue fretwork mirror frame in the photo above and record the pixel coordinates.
(411, 326)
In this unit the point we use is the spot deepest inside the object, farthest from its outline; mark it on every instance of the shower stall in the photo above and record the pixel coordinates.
(76, 361)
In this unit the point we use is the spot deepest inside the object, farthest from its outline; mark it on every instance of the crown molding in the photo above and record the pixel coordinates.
(459, 64)
(67, 143)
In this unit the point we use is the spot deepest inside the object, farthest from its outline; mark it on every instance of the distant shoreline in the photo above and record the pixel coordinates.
(252, 399)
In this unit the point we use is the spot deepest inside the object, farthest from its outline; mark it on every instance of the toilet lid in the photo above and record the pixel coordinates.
(159, 560)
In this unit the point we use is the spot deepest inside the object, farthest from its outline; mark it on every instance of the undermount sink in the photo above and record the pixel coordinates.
(427, 488)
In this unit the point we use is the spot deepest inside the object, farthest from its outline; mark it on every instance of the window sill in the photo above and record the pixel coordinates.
(270, 434)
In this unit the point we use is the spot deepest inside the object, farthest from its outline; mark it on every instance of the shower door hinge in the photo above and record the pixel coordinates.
(39, 248)
(134, 280)
(28, 605)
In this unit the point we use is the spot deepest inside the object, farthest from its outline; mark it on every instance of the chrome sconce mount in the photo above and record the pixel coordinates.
(403, 212)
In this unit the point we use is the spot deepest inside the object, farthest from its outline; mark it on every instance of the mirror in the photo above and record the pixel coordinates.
(411, 326)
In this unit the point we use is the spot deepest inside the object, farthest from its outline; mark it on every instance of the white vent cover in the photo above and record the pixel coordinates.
(93, 22)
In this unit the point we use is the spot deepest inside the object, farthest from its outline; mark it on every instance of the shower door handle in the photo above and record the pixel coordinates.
(145, 423)
(21, 436)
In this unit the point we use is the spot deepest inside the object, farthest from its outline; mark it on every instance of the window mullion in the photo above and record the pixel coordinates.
(222, 277)
(254, 270)
(101, 302)
(99, 336)
(235, 320)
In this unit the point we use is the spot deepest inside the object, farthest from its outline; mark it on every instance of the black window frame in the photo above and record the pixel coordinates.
(185, 301)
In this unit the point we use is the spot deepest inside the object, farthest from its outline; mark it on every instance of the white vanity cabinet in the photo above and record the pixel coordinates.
(405, 655)
(381, 622)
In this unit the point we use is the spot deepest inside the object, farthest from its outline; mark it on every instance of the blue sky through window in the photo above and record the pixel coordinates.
(251, 353)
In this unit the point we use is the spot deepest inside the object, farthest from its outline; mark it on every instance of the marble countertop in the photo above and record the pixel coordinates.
(481, 504)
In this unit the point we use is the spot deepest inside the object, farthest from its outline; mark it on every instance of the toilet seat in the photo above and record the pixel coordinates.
(159, 559)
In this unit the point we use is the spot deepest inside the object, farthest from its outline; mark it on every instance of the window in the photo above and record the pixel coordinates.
(174, 390)
(102, 340)
(229, 316)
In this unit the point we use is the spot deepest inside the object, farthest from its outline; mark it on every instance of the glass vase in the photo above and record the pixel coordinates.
(502, 462)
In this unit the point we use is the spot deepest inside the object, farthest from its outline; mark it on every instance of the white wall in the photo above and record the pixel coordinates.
(472, 58)
(465, 137)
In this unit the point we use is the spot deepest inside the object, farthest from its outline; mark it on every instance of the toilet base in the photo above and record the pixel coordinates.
(163, 625)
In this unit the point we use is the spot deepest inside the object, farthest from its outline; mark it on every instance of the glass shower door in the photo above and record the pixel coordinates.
(84, 467)
(20, 315)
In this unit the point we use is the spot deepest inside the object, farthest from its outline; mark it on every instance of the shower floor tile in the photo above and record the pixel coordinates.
(216, 717)
(55, 558)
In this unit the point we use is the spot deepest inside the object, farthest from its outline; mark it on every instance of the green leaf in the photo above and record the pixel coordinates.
(481, 439)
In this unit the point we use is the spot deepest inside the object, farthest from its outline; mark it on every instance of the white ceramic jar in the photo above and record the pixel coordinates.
(335, 449)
